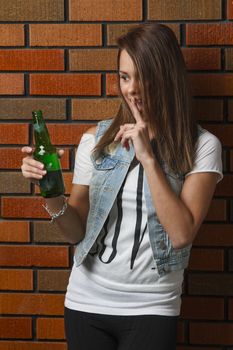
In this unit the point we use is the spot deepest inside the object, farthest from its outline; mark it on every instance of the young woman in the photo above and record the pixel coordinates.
(142, 185)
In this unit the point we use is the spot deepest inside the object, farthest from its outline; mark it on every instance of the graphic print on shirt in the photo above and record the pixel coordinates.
(138, 232)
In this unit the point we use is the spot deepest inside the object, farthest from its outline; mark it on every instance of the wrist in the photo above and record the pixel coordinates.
(148, 162)
(55, 203)
(56, 209)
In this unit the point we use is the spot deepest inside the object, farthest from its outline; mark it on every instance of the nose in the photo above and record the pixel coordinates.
(133, 88)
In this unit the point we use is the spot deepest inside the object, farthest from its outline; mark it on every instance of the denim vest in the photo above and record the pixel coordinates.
(109, 173)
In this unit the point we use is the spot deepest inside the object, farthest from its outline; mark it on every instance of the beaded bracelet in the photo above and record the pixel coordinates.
(60, 213)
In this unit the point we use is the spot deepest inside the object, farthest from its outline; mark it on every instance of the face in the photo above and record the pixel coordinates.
(129, 83)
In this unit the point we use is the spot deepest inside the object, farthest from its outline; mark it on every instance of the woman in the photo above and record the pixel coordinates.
(142, 185)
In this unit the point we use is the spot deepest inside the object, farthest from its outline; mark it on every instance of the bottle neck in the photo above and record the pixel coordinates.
(41, 133)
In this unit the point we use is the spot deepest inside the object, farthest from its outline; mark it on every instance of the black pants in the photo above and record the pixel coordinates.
(88, 331)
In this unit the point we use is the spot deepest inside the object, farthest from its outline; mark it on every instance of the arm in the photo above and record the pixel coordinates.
(181, 216)
(72, 223)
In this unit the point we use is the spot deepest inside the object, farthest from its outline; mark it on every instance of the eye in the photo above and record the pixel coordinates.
(123, 77)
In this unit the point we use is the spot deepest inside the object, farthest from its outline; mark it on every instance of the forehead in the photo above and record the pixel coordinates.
(126, 63)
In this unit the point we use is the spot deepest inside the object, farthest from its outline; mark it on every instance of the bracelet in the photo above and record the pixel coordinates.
(60, 213)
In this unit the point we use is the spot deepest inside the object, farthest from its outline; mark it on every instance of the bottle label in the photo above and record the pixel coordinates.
(42, 150)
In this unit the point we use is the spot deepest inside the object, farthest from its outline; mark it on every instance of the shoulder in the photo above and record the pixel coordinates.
(207, 141)
(91, 130)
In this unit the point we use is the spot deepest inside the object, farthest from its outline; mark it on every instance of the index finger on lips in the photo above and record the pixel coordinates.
(136, 113)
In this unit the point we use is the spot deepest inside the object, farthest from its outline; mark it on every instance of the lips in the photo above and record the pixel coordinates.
(138, 103)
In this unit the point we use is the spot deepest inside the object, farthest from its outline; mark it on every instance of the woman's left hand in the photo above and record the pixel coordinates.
(138, 134)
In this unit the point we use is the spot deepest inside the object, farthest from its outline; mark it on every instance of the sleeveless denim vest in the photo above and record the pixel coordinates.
(108, 175)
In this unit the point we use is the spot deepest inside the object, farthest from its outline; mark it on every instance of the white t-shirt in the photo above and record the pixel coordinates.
(119, 276)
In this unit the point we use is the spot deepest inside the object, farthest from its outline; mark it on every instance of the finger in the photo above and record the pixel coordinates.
(136, 113)
(27, 149)
(33, 170)
(123, 129)
(60, 153)
(29, 161)
(126, 138)
(32, 176)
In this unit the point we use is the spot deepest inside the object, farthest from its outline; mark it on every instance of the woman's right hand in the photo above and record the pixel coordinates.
(32, 169)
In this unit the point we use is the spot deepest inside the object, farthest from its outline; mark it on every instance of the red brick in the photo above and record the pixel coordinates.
(21, 108)
(50, 328)
(229, 9)
(202, 58)
(32, 10)
(111, 84)
(224, 188)
(11, 158)
(93, 59)
(180, 332)
(65, 84)
(184, 9)
(52, 280)
(66, 134)
(43, 256)
(11, 84)
(65, 35)
(94, 109)
(11, 35)
(231, 160)
(230, 309)
(230, 109)
(106, 10)
(28, 60)
(116, 30)
(209, 34)
(228, 58)
(194, 348)
(223, 132)
(13, 182)
(25, 207)
(16, 279)
(218, 284)
(211, 84)
(12, 327)
(14, 133)
(14, 231)
(68, 177)
(32, 304)
(22, 345)
(208, 308)
(211, 333)
(216, 235)
(44, 232)
(207, 260)
(217, 211)
(208, 109)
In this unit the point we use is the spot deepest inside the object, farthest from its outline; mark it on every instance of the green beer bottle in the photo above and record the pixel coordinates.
(52, 184)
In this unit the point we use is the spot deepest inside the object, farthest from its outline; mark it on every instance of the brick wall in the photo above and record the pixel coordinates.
(60, 56)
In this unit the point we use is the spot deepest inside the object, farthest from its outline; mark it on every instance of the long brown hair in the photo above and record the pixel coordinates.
(166, 96)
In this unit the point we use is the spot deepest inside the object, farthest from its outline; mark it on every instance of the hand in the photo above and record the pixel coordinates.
(138, 134)
(32, 169)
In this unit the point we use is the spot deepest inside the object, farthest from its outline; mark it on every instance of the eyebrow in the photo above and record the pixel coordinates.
(121, 71)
